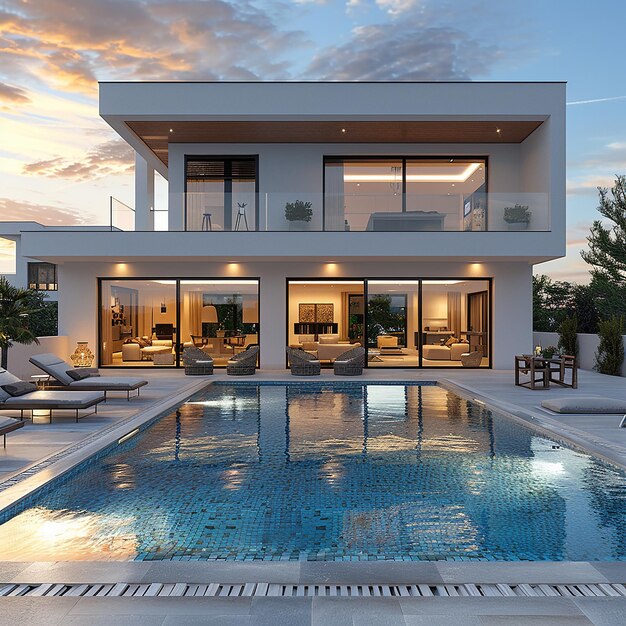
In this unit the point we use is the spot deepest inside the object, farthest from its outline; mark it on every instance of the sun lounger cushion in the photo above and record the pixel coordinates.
(54, 400)
(585, 404)
(53, 365)
(113, 383)
(58, 368)
(6, 378)
(80, 374)
(19, 388)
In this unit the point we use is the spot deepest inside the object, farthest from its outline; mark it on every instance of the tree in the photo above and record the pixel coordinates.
(568, 337)
(552, 303)
(381, 318)
(610, 354)
(16, 305)
(607, 251)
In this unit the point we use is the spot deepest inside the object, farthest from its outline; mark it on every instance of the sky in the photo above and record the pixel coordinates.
(60, 163)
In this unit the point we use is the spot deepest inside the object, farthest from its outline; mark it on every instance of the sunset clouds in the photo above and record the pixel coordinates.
(56, 151)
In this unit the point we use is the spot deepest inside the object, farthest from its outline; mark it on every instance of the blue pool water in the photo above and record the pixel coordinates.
(321, 472)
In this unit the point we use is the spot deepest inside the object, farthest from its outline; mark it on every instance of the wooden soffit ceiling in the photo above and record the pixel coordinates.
(157, 134)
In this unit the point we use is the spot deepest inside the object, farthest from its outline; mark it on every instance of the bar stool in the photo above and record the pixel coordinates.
(206, 221)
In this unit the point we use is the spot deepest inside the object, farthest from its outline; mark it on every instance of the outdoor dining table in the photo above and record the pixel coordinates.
(543, 371)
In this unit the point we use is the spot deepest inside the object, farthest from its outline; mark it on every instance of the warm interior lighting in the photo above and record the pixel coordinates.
(225, 281)
(209, 314)
(413, 178)
(326, 282)
(393, 282)
(442, 282)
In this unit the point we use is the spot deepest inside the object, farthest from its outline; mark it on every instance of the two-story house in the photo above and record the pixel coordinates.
(403, 216)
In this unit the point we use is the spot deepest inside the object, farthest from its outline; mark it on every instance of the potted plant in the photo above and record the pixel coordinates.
(549, 352)
(298, 214)
(517, 217)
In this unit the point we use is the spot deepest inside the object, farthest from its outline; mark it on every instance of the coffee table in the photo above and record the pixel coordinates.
(147, 353)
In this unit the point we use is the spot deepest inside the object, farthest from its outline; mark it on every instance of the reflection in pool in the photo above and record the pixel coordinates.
(316, 471)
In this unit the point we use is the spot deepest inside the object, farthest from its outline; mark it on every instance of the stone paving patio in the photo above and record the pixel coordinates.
(597, 434)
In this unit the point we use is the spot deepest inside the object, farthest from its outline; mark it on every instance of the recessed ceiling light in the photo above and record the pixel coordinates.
(343, 130)
(452, 184)
(498, 130)
(171, 130)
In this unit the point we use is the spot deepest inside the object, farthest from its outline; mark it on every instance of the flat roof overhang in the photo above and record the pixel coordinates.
(143, 113)
(157, 135)
(319, 247)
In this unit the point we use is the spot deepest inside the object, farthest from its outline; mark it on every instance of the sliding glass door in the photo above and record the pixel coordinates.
(402, 323)
(149, 322)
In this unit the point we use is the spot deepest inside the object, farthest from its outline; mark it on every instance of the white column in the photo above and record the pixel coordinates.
(144, 194)
(273, 318)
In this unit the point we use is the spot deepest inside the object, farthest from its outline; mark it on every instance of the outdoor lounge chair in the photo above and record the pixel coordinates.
(7, 425)
(350, 363)
(302, 363)
(243, 363)
(47, 400)
(197, 362)
(58, 369)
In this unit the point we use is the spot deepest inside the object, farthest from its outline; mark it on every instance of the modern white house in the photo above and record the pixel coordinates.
(406, 217)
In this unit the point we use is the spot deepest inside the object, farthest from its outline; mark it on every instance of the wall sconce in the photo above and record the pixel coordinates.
(82, 356)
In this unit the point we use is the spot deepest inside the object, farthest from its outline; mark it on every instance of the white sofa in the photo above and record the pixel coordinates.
(134, 352)
(327, 347)
(443, 353)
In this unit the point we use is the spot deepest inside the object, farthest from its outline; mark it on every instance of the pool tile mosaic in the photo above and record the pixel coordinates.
(347, 472)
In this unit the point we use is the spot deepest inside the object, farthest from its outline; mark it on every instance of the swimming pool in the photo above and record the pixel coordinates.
(330, 472)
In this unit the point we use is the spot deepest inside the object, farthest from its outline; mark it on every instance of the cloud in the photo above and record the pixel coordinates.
(69, 44)
(23, 211)
(396, 7)
(9, 93)
(405, 51)
(110, 157)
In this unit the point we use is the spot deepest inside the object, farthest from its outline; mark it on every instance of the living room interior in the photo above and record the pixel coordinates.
(144, 321)
(327, 318)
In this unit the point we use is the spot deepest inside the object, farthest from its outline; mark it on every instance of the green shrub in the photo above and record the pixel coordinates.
(568, 337)
(298, 211)
(516, 214)
(610, 353)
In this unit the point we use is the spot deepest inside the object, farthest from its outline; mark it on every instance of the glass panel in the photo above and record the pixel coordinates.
(449, 194)
(358, 193)
(138, 323)
(42, 276)
(8, 257)
(392, 323)
(326, 317)
(219, 316)
(221, 194)
(244, 204)
(455, 323)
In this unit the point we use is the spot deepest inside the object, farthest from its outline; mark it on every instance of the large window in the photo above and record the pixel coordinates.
(149, 322)
(401, 322)
(42, 276)
(401, 193)
(221, 193)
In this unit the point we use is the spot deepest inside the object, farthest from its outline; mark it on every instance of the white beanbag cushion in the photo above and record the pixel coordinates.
(585, 404)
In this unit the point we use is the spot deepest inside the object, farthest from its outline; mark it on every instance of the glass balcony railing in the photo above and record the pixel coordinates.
(122, 217)
(316, 212)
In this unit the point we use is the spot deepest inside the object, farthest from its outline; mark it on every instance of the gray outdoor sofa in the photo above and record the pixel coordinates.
(47, 400)
(58, 369)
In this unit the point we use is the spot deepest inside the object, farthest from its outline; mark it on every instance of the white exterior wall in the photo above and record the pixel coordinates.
(511, 323)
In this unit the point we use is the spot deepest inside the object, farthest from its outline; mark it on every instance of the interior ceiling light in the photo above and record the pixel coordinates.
(343, 130)
(325, 282)
(442, 282)
(414, 178)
